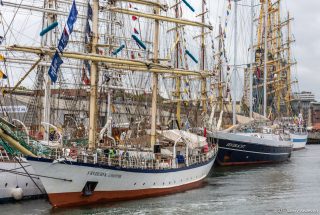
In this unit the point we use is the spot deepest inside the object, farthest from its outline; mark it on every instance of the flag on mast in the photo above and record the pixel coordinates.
(68, 28)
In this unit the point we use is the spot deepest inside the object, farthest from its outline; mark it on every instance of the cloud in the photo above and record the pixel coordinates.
(306, 30)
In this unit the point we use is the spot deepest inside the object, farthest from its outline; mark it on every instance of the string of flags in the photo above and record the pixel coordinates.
(56, 60)
(2, 75)
(49, 28)
(136, 35)
(86, 68)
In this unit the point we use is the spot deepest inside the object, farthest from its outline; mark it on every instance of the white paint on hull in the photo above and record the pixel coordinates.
(10, 181)
(112, 180)
(299, 140)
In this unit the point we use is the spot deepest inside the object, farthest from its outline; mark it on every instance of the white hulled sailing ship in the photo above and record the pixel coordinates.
(149, 157)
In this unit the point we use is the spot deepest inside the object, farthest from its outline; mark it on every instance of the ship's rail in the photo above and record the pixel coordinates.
(139, 162)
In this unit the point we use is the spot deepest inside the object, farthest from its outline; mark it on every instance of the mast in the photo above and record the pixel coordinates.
(265, 59)
(204, 80)
(278, 92)
(94, 78)
(289, 70)
(155, 79)
(178, 78)
(48, 41)
(252, 59)
(234, 86)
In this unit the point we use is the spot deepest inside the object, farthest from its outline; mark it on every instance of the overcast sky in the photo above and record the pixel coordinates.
(306, 29)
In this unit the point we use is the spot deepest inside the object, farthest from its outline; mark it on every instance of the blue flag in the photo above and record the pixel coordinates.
(55, 64)
(90, 12)
(72, 17)
(68, 28)
(63, 40)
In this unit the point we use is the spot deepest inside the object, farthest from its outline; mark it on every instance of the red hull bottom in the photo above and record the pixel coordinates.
(77, 199)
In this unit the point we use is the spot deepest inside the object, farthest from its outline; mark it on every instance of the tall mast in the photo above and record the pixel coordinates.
(48, 41)
(204, 80)
(94, 74)
(252, 59)
(265, 59)
(234, 86)
(178, 78)
(155, 79)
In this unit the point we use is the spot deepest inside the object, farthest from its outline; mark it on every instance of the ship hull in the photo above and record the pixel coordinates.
(65, 182)
(13, 177)
(299, 141)
(246, 151)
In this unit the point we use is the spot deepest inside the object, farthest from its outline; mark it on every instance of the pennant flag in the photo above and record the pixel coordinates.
(63, 40)
(136, 31)
(68, 28)
(84, 77)
(90, 12)
(2, 75)
(191, 56)
(258, 72)
(132, 55)
(188, 5)
(72, 17)
(88, 34)
(115, 52)
(134, 18)
(54, 68)
(139, 42)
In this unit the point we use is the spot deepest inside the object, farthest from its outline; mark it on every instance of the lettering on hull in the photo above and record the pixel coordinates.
(104, 174)
(234, 145)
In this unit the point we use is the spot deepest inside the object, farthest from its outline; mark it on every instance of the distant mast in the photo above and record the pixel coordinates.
(234, 86)
(252, 66)
(265, 59)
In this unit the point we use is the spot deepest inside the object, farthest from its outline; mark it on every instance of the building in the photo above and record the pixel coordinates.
(301, 103)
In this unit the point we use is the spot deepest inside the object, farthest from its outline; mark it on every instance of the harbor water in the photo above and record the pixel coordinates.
(292, 187)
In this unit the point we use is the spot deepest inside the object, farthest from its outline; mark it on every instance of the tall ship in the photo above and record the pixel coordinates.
(131, 86)
(253, 139)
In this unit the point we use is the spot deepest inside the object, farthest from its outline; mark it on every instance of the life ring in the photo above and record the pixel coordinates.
(73, 153)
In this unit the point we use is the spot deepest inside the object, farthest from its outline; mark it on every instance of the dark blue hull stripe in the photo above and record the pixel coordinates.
(242, 152)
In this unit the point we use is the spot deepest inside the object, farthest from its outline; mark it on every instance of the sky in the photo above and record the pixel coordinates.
(306, 30)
